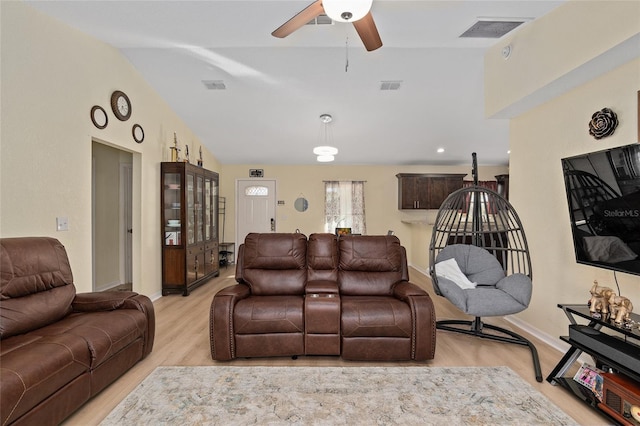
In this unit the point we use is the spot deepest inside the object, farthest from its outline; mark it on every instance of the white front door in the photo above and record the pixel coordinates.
(255, 207)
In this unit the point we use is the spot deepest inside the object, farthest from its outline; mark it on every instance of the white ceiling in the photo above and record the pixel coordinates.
(278, 88)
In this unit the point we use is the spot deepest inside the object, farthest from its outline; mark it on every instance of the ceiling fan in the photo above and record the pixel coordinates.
(355, 11)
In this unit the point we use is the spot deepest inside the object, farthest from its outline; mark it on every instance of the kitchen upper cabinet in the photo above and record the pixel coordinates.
(420, 191)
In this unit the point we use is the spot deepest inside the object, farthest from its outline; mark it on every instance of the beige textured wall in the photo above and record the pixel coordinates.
(557, 44)
(539, 190)
(51, 76)
(381, 199)
(545, 51)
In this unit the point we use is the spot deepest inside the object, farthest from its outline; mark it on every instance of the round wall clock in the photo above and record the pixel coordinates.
(121, 105)
(138, 133)
(99, 117)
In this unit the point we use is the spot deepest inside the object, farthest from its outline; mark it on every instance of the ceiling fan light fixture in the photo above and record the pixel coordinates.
(347, 10)
(325, 150)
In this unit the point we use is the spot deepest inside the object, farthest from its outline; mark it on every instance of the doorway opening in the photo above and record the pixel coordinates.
(112, 217)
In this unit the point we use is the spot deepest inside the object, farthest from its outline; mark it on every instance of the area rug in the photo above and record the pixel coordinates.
(335, 396)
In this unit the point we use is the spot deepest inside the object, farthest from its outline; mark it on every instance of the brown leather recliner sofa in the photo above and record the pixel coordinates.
(59, 348)
(324, 295)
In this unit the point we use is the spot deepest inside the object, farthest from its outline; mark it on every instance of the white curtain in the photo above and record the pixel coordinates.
(344, 206)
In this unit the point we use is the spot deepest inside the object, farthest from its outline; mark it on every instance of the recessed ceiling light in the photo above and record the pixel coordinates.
(325, 158)
(440, 150)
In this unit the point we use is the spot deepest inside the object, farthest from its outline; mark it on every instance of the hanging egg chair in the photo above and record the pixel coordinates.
(479, 260)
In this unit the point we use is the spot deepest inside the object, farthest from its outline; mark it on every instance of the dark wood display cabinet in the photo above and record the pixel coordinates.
(503, 186)
(422, 191)
(189, 226)
(614, 349)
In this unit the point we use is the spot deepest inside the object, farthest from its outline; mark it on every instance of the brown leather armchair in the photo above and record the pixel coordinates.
(263, 314)
(325, 296)
(384, 316)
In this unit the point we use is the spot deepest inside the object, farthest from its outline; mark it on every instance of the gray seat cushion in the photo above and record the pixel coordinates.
(495, 295)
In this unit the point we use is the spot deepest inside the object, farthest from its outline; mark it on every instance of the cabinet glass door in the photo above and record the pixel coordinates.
(214, 209)
(208, 197)
(172, 204)
(191, 204)
(199, 208)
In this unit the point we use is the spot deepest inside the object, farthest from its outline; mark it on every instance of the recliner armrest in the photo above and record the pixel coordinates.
(404, 289)
(424, 317)
(240, 264)
(321, 286)
(101, 301)
(113, 300)
(222, 339)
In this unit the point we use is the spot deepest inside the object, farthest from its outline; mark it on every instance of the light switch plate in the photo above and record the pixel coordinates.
(62, 223)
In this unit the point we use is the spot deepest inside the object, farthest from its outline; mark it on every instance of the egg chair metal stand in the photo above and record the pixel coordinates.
(479, 216)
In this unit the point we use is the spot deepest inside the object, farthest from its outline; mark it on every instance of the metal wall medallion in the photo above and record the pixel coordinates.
(603, 123)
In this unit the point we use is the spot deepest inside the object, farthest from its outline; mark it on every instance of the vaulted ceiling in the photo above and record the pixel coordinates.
(276, 89)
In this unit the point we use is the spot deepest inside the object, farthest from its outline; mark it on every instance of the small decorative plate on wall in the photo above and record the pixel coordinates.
(603, 123)
(99, 117)
(138, 133)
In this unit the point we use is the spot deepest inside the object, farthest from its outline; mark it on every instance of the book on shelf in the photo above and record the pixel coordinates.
(591, 378)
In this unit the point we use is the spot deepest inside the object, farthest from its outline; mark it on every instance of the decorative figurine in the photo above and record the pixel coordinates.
(186, 154)
(599, 301)
(175, 151)
(621, 307)
(200, 159)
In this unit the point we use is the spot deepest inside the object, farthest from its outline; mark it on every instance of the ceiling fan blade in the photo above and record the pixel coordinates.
(304, 16)
(368, 32)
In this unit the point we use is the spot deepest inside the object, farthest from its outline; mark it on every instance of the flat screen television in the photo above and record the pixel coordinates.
(603, 195)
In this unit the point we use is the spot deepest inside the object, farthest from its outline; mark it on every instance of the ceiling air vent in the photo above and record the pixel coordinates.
(321, 19)
(390, 85)
(492, 28)
(214, 84)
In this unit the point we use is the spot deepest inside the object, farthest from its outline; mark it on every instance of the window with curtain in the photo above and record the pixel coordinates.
(344, 206)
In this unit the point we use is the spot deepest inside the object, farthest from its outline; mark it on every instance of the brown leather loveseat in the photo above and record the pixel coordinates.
(59, 348)
(324, 295)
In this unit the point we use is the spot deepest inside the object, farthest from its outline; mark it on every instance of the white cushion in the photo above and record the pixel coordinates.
(450, 270)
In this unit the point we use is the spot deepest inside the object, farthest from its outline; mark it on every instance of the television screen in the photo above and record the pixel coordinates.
(603, 194)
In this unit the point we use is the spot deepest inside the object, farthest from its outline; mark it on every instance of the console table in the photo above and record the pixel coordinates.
(620, 353)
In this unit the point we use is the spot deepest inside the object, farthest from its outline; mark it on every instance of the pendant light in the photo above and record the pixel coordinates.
(326, 153)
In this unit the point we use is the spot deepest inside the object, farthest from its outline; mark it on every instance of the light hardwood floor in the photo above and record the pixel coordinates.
(182, 338)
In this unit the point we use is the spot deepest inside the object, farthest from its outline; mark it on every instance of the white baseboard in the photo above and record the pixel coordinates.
(550, 340)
